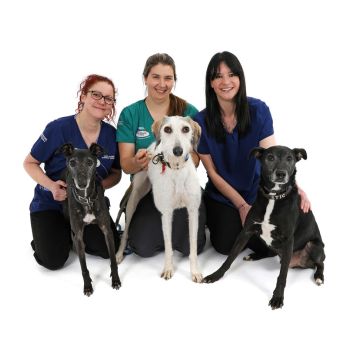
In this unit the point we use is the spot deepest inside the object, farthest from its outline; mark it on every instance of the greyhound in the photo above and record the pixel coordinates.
(172, 176)
(85, 204)
(276, 216)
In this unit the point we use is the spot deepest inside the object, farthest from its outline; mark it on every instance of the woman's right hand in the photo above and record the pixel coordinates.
(141, 159)
(58, 190)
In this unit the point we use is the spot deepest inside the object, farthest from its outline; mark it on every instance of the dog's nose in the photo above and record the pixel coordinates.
(281, 174)
(177, 151)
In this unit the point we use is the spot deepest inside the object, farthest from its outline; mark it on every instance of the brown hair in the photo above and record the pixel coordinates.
(177, 105)
(85, 86)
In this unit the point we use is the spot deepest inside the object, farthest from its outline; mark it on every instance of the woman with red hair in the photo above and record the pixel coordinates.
(51, 232)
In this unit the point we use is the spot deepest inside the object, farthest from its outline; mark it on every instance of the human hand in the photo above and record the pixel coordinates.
(243, 212)
(305, 203)
(58, 190)
(141, 159)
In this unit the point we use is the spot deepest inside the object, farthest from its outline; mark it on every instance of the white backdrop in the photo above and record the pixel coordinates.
(296, 58)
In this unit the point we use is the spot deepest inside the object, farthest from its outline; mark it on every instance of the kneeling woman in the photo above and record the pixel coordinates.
(134, 135)
(51, 232)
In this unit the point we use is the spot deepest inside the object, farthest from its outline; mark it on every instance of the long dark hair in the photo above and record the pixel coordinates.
(213, 113)
(177, 105)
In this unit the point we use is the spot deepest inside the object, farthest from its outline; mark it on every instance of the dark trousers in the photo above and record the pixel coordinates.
(225, 224)
(52, 239)
(146, 234)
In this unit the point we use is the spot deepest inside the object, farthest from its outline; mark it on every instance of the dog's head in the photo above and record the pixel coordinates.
(278, 162)
(176, 137)
(81, 163)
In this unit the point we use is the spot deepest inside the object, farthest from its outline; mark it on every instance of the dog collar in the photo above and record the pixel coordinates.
(160, 158)
(87, 201)
(280, 195)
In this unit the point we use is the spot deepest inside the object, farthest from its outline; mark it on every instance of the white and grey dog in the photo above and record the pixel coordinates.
(172, 175)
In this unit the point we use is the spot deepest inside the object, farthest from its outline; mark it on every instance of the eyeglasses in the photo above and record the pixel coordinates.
(96, 95)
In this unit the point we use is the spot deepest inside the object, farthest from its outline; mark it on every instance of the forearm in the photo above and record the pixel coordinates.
(130, 166)
(38, 175)
(227, 190)
(112, 179)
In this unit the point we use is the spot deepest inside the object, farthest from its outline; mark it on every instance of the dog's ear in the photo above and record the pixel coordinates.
(197, 131)
(156, 129)
(67, 149)
(256, 152)
(96, 150)
(299, 153)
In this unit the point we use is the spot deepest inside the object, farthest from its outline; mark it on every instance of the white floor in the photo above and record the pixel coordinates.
(51, 312)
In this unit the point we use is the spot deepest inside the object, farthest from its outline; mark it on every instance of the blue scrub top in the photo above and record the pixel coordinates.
(231, 158)
(61, 131)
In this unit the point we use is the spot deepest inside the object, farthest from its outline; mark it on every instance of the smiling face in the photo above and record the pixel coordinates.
(98, 109)
(225, 83)
(160, 81)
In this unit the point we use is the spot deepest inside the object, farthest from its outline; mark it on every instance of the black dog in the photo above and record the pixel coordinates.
(276, 216)
(85, 204)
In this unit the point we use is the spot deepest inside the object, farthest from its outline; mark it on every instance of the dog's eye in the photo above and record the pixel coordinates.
(72, 163)
(270, 158)
(289, 158)
(168, 130)
(90, 162)
(185, 129)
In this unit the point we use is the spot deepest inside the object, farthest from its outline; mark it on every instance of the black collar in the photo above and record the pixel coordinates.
(275, 195)
(160, 158)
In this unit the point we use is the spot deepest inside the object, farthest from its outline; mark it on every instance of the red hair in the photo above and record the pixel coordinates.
(85, 86)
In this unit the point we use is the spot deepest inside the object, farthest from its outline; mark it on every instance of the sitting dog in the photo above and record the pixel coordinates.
(276, 216)
(172, 176)
(85, 204)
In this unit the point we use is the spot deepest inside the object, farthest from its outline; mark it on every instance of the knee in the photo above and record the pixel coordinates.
(52, 261)
(222, 246)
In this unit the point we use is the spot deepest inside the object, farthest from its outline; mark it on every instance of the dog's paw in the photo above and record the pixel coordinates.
(276, 302)
(167, 274)
(248, 257)
(116, 284)
(212, 278)
(319, 281)
(197, 277)
(88, 290)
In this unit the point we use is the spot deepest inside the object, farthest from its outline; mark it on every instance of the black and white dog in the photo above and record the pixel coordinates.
(85, 204)
(277, 218)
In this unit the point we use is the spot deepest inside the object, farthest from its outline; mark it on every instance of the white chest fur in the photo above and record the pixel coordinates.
(266, 226)
(89, 218)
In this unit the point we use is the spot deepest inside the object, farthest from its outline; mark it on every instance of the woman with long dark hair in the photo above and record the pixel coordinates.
(232, 125)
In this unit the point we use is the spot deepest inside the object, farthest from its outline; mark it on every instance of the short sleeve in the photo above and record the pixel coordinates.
(190, 111)
(125, 132)
(203, 147)
(267, 122)
(47, 144)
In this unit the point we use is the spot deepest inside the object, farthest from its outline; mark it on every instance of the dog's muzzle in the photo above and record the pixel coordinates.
(177, 151)
(280, 176)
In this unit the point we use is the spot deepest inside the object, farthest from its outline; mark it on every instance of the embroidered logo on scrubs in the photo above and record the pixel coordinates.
(142, 133)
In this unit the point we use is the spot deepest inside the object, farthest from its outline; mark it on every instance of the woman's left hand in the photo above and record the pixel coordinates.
(305, 204)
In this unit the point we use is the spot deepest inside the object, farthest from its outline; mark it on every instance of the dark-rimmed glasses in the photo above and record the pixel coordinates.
(96, 95)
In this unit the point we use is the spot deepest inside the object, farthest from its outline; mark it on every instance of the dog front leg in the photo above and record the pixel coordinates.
(167, 219)
(240, 243)
(80, 248)
(140, 187)
(278, 294)
(116, 284)
(193, 231)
